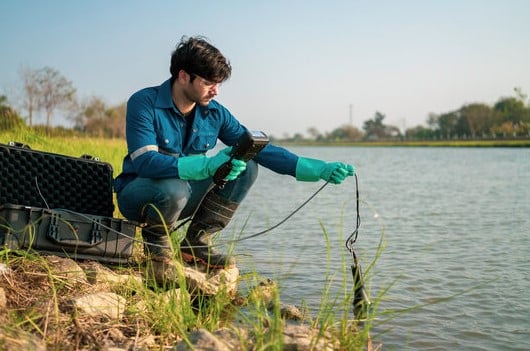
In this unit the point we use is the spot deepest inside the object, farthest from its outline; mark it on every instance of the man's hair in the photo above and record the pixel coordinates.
(196, 56)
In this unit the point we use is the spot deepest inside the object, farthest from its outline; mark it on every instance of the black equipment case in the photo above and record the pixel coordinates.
(66, 233)
(59, 204)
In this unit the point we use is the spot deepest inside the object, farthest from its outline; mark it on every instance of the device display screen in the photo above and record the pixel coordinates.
(257, 134)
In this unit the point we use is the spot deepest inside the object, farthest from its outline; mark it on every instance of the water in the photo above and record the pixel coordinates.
(454, 223)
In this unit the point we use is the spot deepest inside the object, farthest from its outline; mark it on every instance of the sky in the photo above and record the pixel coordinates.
(295, 64)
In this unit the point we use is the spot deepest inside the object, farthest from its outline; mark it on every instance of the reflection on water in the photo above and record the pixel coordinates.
(454, 223)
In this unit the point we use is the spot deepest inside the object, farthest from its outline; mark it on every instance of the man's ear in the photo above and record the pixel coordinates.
(183, 77)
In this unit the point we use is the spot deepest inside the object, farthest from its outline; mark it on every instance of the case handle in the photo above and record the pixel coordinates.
(18, 144)
(53, 233)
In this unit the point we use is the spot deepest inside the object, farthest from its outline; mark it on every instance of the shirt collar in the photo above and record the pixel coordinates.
(165, 100)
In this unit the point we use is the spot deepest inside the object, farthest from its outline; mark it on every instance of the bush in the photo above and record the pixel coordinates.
(9, 119)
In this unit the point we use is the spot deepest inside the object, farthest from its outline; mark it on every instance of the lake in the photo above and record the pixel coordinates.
(455, 229)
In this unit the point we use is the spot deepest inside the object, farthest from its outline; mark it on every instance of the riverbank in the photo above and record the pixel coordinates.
(50, 302)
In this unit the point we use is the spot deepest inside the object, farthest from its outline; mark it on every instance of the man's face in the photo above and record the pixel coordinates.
(201, 90)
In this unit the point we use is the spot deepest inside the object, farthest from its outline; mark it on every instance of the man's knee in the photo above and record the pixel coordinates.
(237, 189)
(171, 198)
(251, 172)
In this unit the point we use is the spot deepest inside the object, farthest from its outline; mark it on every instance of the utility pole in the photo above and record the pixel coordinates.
(351, 114)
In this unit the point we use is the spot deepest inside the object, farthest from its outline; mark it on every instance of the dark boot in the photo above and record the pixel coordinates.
(214, 213)
(156, 242)
(162, 267)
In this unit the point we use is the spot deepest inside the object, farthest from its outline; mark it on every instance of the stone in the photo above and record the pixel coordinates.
(304, 338)
(100, 304)
(291, 312)
(67, 270)
(19, 340)
(202, 340)
(232, 337)
(214, 282)
(102, 276)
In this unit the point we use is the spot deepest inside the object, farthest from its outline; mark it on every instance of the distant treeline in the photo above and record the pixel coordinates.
(508, 118)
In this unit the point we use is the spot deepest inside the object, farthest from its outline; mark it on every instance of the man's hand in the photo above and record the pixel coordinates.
(199, 167)
(312, 170)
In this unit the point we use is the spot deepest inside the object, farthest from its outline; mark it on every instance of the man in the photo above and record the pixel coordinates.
(166, 175)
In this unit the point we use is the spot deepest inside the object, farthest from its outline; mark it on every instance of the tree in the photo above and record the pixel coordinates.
(9, 118)
(347, 133)
(54, 91)
(31, 90)
(520, 94)
(314, 133)
(447, 123)
(419, 132)
(96, 118)
(475, 119)
(117, 121)
(432, 121)
(374, 128)
(92, 116)
(512, 110)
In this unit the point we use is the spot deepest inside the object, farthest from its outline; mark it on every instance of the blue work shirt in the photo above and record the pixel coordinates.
(157, 135)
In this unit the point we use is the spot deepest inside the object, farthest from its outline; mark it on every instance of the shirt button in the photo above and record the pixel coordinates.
(207, 145)
(166, 141)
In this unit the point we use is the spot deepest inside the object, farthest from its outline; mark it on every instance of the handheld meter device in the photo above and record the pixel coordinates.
(247, 147)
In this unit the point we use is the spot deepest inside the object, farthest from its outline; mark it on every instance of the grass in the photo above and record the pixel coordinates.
(37, 295)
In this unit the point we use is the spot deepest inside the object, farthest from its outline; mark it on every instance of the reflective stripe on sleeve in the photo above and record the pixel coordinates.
(143, 150)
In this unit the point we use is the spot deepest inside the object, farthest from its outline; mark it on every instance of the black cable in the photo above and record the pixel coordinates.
(353, 236)
(361, 300)
(279, 223)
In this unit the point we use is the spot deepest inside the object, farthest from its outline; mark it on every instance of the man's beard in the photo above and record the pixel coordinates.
(197, 100)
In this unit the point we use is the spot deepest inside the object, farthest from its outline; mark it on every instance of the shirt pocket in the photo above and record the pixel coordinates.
(169, 143)
(203, 141)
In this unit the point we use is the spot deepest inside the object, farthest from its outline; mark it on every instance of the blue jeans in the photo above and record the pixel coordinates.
(148, 200)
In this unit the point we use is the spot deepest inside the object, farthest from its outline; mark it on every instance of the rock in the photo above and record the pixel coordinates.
(202, 340)
(214, 282)
(67, 269)
(101, 304)
(291, 312)
(18, 340)
(295, 338)
(106, 278)
(305, 338)
(233, 337)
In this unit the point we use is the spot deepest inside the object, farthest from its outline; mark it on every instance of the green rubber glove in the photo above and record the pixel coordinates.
(312, 170)
(199, 167)
(238, 166)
